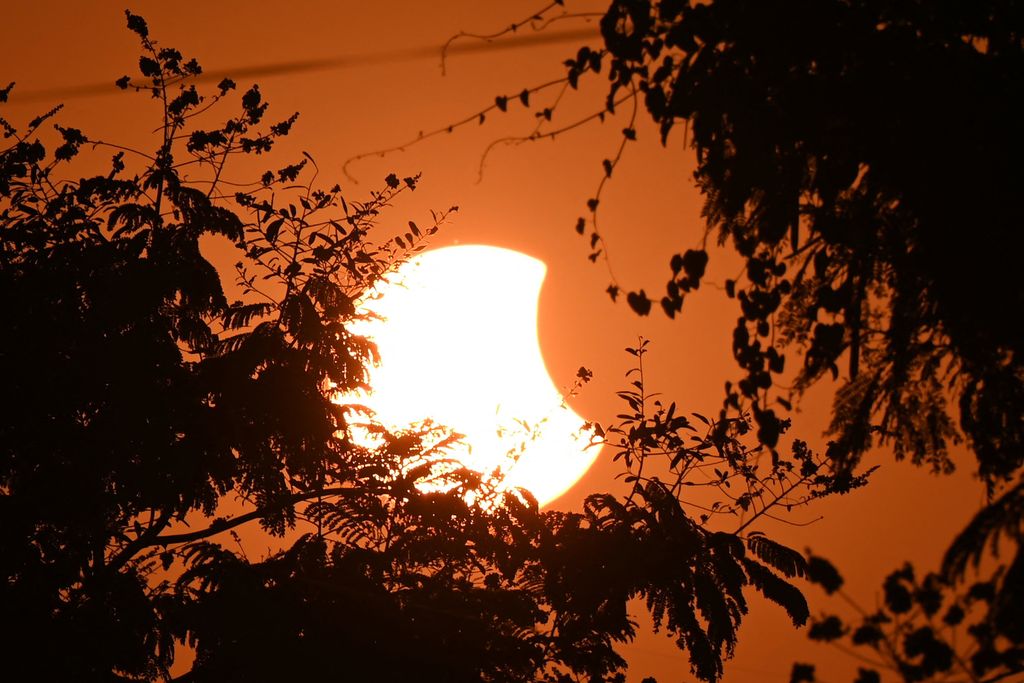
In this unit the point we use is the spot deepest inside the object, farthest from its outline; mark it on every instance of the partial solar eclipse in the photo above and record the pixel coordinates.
(458, 344)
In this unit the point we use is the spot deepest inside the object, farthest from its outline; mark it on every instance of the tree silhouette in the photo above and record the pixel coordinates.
(861, 157)
(843, 150)
(153, 417)
(918, 631)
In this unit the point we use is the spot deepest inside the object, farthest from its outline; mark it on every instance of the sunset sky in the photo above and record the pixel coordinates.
(373, 89)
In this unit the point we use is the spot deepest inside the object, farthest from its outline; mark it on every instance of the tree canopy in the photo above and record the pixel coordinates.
(153, 417)
(843, 149)
(861, 158)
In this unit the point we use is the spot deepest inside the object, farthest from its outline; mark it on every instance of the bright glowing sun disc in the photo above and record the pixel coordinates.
(458, 345)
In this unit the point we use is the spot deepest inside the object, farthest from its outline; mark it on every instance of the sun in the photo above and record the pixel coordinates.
(458, 341)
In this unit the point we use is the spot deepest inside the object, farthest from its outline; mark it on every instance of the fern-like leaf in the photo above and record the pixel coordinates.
(779, 557)
(241, 315)
(778, 590)
(1001, 517)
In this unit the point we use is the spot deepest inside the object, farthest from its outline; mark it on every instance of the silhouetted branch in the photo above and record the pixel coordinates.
(596, 238)
(536, 20)
(220, 526)
(125, 555)
(500, 103)
(547, 135)
(1000, 517)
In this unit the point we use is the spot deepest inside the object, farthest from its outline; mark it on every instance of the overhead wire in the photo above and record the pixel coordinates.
(303, 66)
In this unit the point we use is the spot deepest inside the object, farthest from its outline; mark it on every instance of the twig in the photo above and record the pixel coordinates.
(476, 117)
(224, 525)
(536, 21)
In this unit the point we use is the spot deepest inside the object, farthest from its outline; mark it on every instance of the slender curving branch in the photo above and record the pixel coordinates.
(537, 21)
(220, 526)
(500, 103)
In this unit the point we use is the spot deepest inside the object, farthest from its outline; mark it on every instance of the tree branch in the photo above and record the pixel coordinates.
(478, 116)
(222, 525)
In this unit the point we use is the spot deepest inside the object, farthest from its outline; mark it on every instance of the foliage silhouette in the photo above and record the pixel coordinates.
(916, 634)
(846, 217)
(154, 417)
(845, 149)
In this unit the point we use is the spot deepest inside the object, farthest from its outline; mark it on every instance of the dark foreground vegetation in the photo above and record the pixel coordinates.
(152, 419)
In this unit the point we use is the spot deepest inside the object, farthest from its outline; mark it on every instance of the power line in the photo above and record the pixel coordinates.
(325, 64)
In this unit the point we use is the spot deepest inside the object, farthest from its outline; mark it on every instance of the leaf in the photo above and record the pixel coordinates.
(897, 596)
(695, 262)
(929, 595)
(273, 229)
(826, 630)
(867, 676)
(137, 24)
(668, 306)
(786, 560)
(954, 615)
(148, 67)
(936, 654)
(823, 573)
(802, 673)
(639, 302)
(251, 103)
(866, 634)
(999, 518)
(241, 315)
(777, 590)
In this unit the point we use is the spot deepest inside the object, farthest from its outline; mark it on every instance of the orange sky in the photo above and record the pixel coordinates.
(528, 199)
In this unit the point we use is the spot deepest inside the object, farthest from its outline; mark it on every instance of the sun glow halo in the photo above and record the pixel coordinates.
(458, 344)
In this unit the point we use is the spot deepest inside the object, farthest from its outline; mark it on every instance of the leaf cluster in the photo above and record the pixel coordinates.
(928, 628)
(834, 208)
(145, 399)
(655, 443)
(154, 418)
(878, 248)
(861, 158)
(668, 461)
